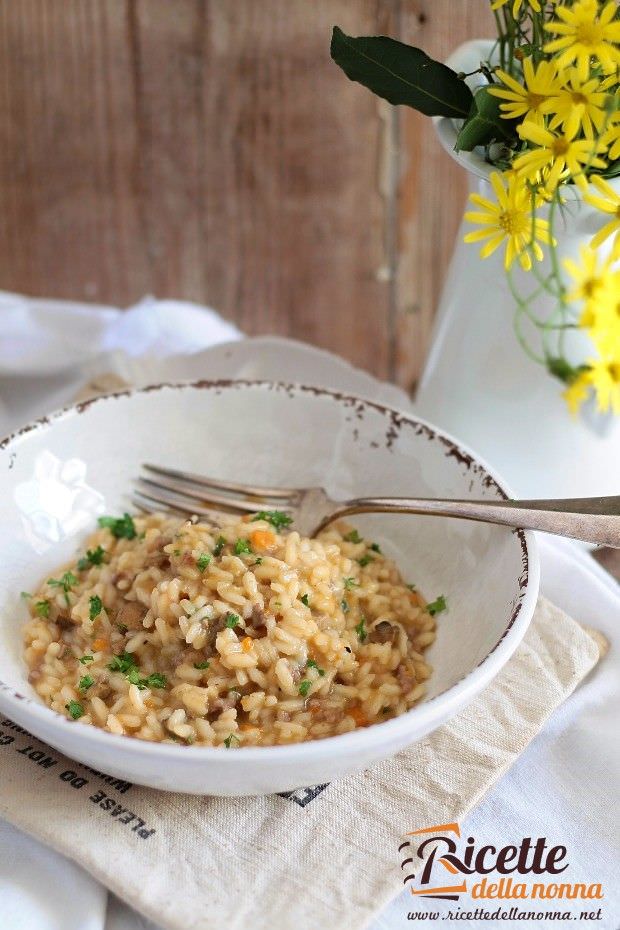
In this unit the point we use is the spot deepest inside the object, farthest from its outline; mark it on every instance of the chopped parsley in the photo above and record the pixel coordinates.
(353, 537)
(42, 608)
(25, 595)
(220, 542)
(66, 583)
(412, 587)
(243, 546)
(436, 606)
(230, 739)
(375, 547)
(92, 557)
(312, 664)
(155, 680)
(201, 665)
(365, 560)
(151, 681)
(122, 663)
(203, 561)
(304, 687)
(176, 552)
(259, 561)
(360, 629)
(122, 628)
(305, 600)
(120, 527)
(84, 660)
(275, 517)
(344, 606)
(95, 607)
(75, 709)
(350, 583)
(232, 620)
(85, 682)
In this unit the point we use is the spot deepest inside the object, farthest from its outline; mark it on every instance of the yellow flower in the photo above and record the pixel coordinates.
(516, 5)
(589, 280)
(585, 32)
(562, 153)
(604, 376)
(611, 137)
(601, 314)
(584, 100)
(577, 392)
(531, 99)
(608, 203)
(508, 220)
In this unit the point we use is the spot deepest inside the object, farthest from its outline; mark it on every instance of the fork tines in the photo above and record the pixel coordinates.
(189, 493)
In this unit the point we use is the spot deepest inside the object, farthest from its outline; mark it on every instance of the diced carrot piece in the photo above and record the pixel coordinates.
(247, 644)
(100, 644)
(359, 716)
(262, 539)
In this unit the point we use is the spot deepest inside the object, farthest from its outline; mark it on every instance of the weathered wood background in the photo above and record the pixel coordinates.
(210, 149)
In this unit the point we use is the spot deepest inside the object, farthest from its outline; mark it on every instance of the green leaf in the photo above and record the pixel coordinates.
(484, 123)
(437, 606)
(563, 370)
(401, 74)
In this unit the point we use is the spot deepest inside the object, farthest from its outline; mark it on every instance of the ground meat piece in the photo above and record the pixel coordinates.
(131, 615)
(255, 624)
(296, 672)
(157, 559)
(215, 627)
(64, 623)
(222, 703)
(405, 676)
(383, 632)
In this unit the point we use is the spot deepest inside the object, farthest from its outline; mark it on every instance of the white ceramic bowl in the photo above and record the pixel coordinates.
(57, 474)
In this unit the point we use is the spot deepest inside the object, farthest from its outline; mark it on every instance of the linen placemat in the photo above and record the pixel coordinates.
(320, 856)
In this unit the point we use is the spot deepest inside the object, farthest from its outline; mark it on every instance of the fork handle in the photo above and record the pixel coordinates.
(591, 519)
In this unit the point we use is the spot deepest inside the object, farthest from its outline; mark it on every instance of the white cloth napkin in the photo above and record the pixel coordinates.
(565, 785)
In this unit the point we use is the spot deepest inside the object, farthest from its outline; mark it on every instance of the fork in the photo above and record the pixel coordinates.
(591, 519)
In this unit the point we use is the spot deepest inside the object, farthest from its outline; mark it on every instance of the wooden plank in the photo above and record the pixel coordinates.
(432, 189)
(201, 149)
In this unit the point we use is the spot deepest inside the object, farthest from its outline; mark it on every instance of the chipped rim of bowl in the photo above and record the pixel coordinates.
(422, 717)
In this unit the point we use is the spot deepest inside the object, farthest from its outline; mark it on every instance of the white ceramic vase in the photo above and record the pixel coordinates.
(480, 385)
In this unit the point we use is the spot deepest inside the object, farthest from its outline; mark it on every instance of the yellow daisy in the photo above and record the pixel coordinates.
(604, 376)
(601, 314)
(577, 392)
(608, 203)
(508, 220)
(534, 97)
(516, 5)
(611, 137)
(562, 153)
(582, 99)
(585, 31)
(588, 278)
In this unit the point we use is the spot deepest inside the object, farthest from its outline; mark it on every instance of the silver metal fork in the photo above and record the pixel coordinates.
(591, 519)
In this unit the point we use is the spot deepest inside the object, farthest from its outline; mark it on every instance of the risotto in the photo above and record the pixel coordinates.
(238, 634)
